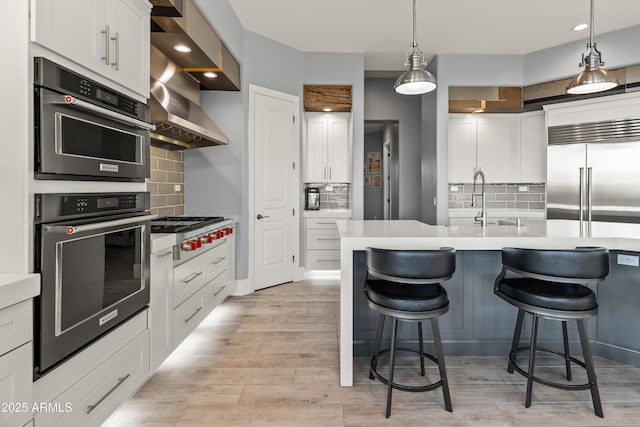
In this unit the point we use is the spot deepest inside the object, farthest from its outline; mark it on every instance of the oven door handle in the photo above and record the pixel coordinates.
(69, 229)
(70, 100)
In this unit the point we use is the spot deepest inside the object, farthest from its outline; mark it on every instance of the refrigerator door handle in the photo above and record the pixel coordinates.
(589, 199)
(581, 208)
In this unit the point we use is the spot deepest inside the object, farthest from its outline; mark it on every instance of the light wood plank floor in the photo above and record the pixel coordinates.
(271, 359)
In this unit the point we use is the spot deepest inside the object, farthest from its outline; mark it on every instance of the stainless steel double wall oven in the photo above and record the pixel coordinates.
(91, 249)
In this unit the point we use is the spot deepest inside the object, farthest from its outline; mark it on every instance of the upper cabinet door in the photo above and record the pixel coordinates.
(108, 37)
(497, 156)
(533, 149)
(129, 44)
(74, 29)
(316, 158)
(338, 150)
(462, 149)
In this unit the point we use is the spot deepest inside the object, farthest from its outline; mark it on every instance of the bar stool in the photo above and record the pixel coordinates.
(551, 284)
(405, 285)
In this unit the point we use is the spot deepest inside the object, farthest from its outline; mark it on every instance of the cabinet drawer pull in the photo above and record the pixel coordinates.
(188, 319)
(120, 381)
(166, 254)
(215, 294)
(192, 277)
(327, 238)
(327, 223)
(328, 260)
(218, 260)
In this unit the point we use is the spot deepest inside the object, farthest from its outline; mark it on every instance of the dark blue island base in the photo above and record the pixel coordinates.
(481, 324)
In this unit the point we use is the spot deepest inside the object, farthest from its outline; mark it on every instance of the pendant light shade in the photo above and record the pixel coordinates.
(416, 80)
(593, 79)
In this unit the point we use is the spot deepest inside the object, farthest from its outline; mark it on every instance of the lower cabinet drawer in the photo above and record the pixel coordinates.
(92, 399)
(323, 260)
(16, 325)
(187, 316)
(216, 291)
(323, 239)
(16, 378)
(187, 279)
(216, 260)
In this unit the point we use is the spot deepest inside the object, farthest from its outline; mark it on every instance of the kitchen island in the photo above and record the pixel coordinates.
(479, 323)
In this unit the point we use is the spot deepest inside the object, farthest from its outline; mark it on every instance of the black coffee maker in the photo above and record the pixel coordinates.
(312, 198)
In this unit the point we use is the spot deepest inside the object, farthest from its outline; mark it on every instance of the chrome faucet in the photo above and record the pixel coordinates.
(482, 215)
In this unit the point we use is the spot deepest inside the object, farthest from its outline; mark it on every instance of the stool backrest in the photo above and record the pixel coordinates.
(579, 265)
(411, 266)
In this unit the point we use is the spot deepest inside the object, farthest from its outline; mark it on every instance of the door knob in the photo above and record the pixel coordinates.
(260, 216)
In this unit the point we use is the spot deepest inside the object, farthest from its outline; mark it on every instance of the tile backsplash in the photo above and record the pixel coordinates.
(530, 197)
(337, 198)
(166, 183)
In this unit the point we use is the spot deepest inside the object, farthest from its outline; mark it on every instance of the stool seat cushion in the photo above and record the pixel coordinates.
(550, 295)
(406, 297)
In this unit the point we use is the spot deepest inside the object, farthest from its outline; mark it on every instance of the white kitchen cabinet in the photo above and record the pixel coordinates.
(161, 306)
(533, 148)
(109, 37)
(322, 244)
(500, 144)
(327, 148)
(16, 363)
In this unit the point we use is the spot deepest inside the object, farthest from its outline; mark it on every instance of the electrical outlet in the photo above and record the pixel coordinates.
(453, 188)
(328, 188)
(177, 187)
(630, 260)
(523, 188)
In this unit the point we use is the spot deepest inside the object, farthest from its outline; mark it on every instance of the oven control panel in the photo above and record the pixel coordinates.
(55, 207)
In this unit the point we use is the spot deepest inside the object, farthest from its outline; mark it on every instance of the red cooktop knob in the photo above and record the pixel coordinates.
(199, 243)
(209, 238)
(194, 245)
(227, 231)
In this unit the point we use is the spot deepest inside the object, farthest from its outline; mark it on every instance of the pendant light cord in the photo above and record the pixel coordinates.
(414, 23)
(590, 26)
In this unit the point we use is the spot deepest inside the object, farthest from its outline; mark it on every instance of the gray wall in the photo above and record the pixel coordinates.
(373, 197)
(429, 152)
(381, 103)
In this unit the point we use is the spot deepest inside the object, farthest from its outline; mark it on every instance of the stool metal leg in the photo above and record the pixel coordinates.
(516, 340)
(376, 346)
(421, 348)
(441, 366)
(591, 373)
(567, 358)
(391, 364)
(532, 360)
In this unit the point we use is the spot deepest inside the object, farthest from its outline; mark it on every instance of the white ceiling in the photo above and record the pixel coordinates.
(381, 29)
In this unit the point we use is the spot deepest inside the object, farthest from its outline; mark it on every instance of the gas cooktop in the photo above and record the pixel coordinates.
(181, 224)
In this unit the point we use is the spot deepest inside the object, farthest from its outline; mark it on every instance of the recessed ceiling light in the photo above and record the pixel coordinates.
(210, 74)
(326, 109)
(182, 48)
(580, 27)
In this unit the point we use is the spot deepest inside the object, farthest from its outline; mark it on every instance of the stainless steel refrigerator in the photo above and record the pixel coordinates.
(593, 172)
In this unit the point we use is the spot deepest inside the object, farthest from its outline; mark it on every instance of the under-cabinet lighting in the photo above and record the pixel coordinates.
(326, 109)
(182, 48)
(210, 75)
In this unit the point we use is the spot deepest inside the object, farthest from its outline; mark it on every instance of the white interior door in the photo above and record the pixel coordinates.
(275, 189)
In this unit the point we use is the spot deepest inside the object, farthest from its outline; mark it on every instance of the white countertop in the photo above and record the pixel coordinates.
(551, 234)
(15, 288)
(327, 213)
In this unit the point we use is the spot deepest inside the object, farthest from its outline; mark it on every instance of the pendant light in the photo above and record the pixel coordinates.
(593, 79)
(416, 80)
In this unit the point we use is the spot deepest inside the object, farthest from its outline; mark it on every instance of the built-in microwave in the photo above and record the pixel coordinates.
(85, 130)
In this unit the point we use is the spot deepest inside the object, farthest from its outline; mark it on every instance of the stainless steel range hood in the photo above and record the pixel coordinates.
(174, 109)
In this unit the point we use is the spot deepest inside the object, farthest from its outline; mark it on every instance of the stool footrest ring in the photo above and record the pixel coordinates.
(561, 386)
(397, 386)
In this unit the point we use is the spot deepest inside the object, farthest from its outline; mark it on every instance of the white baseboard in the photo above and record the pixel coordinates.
(243, 287)
(322, 274)
(298, 274)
